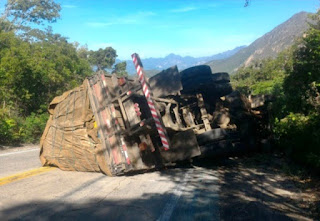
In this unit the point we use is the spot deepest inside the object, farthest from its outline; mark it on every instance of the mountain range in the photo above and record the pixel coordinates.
(157, 64)
(269, 45)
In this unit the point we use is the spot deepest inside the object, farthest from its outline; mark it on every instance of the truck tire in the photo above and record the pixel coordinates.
(221, 77)
(211, 135)
(217, 90)
(194, 72)
(197, 80)
(209, 88)
(215, 135)
(223, 89)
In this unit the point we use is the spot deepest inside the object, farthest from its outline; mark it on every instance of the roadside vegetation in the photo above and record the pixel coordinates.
(36, 65)
(293, 79)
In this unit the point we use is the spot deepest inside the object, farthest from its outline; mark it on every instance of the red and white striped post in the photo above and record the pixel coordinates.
(147, 93)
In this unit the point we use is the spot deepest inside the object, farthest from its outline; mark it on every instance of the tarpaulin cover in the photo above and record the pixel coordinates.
(70, 139)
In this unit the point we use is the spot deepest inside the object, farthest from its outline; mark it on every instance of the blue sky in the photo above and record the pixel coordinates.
(156, 28)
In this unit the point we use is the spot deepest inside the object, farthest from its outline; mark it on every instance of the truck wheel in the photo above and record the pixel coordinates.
(197, 80)
(217, 90)
(194, 72)
(211, 135)
(221, 77)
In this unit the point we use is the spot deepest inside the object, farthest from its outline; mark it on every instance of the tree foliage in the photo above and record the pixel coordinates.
(302, 85)
(102, 58)
(294, 80)
(120, 69)
(35, 66)
(263, 76)
(33, 73)
(21, 12)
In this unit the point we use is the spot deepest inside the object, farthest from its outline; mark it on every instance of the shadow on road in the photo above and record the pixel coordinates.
(231, 189)
(95, 209)
(184, 194)
(257, 188)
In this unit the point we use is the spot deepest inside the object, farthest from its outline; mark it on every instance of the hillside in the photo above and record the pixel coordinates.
(158, 64)
(269, 45)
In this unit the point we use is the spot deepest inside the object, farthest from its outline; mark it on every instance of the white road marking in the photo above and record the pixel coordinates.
(171, 204)
(24, 151)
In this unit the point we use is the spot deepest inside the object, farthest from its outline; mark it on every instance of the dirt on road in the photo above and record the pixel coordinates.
(267, 187)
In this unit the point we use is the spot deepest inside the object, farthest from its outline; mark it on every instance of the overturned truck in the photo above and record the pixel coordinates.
(116, 125)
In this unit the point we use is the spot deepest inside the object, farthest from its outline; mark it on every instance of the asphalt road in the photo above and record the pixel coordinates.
(18, 160)
(173, 194)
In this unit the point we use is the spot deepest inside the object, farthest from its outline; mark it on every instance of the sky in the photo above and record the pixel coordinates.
(156, 28)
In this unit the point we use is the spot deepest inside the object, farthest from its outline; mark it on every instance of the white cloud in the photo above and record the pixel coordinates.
(99, 24)
(138, 18)
(184, 9)
(69, 6)
(145, 13)
(212, 5)
(193, 8)
(170, 26)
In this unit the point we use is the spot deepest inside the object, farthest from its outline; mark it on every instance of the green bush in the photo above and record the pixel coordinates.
(10, 127)
(299, 136)
(33, 127)
(15, 129)
(10, 130)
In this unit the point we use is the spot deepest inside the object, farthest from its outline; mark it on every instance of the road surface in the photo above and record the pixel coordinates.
(18, 160)
(173, 194)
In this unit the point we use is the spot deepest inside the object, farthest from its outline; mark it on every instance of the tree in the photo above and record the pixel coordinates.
(5, 25)
(32, 73)
(102, 58)
(302, 85)
(120, 69)
(263, 76)
(82, 51)
(21, 12)
(35, 66)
